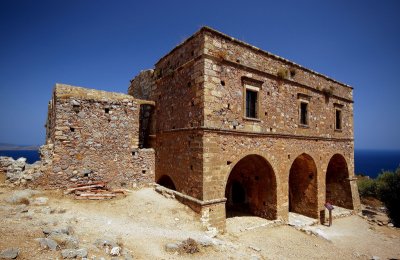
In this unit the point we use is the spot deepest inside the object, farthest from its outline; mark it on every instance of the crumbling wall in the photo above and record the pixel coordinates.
(95, 137)
(175, 85)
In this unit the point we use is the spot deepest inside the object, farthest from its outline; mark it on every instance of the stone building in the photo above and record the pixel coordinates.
(231, 128)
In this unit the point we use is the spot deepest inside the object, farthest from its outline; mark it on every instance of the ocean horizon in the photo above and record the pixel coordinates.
(367, 162)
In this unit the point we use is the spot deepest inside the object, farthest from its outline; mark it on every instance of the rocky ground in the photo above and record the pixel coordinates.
(147, 225)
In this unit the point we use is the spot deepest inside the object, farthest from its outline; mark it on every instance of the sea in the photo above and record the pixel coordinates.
(367, 162)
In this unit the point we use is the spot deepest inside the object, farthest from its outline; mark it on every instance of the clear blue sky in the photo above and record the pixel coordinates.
(103, 44)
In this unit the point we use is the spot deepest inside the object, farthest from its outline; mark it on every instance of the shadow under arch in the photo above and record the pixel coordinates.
(167, 182)
(251, 188)
(338, 190)
(303, 192)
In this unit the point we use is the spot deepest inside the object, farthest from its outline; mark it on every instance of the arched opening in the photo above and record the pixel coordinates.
(167, 182)
(303, 186)
(338, 190)
(251, 189)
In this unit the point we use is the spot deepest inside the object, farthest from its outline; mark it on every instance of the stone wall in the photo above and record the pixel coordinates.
(94, 137)
(176, 86)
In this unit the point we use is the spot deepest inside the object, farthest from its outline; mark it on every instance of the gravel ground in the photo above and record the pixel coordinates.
(144, 222)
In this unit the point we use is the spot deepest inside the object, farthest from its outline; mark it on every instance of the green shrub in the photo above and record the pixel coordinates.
(367, 187)
(388, 189)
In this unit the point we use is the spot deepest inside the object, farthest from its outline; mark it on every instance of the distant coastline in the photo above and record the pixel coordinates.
(13, 147)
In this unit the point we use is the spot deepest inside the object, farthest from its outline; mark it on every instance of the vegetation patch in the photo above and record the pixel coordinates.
(386, 188)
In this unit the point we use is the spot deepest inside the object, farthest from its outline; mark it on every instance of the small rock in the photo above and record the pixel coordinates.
(65, 240)
(21, 159)
(211, 232)
(21, 196)
(69, 253)
(46, 210)
(390, 225)
(82, 252)
(48, 243)
(127, 255)
(375, 258)
(40, 201)
(61, 211)
(171, 247)
(101, 242)
(205, 241)
(9, 253)
(115, 251)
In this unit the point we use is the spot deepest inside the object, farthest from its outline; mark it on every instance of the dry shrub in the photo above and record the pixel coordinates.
(24, 201)
(283, 73)
(189, 246)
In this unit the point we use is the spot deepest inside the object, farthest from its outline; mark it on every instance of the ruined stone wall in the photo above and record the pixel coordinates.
(95, 137)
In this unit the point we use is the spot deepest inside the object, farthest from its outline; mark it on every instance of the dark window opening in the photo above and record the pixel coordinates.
(303, 113)
(107, 110)
(72, 129)
(143, 171)
(338, 119)
(222, 83)
(145, 126)
(251, 104)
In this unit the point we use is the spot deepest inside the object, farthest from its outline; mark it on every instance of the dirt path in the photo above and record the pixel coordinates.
(145, 221)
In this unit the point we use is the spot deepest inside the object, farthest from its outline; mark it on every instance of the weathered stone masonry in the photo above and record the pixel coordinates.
(266, 165)
(231, 128)
(94, 135)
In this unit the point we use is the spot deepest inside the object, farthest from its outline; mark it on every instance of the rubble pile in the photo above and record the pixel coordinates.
(19, 172)
(94, 191)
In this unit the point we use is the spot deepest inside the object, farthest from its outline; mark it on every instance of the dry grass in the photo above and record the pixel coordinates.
(189, 246)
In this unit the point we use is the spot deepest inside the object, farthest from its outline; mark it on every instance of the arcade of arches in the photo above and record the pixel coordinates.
(251, 188)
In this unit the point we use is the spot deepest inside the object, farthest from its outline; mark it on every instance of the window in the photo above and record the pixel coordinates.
(303, 113)
(251, 98)
(251, 103)
(338, 119)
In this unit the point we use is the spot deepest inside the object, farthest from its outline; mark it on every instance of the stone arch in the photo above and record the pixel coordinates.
(338, 190)
(251, 188)
(303, 192)
(167, 182)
